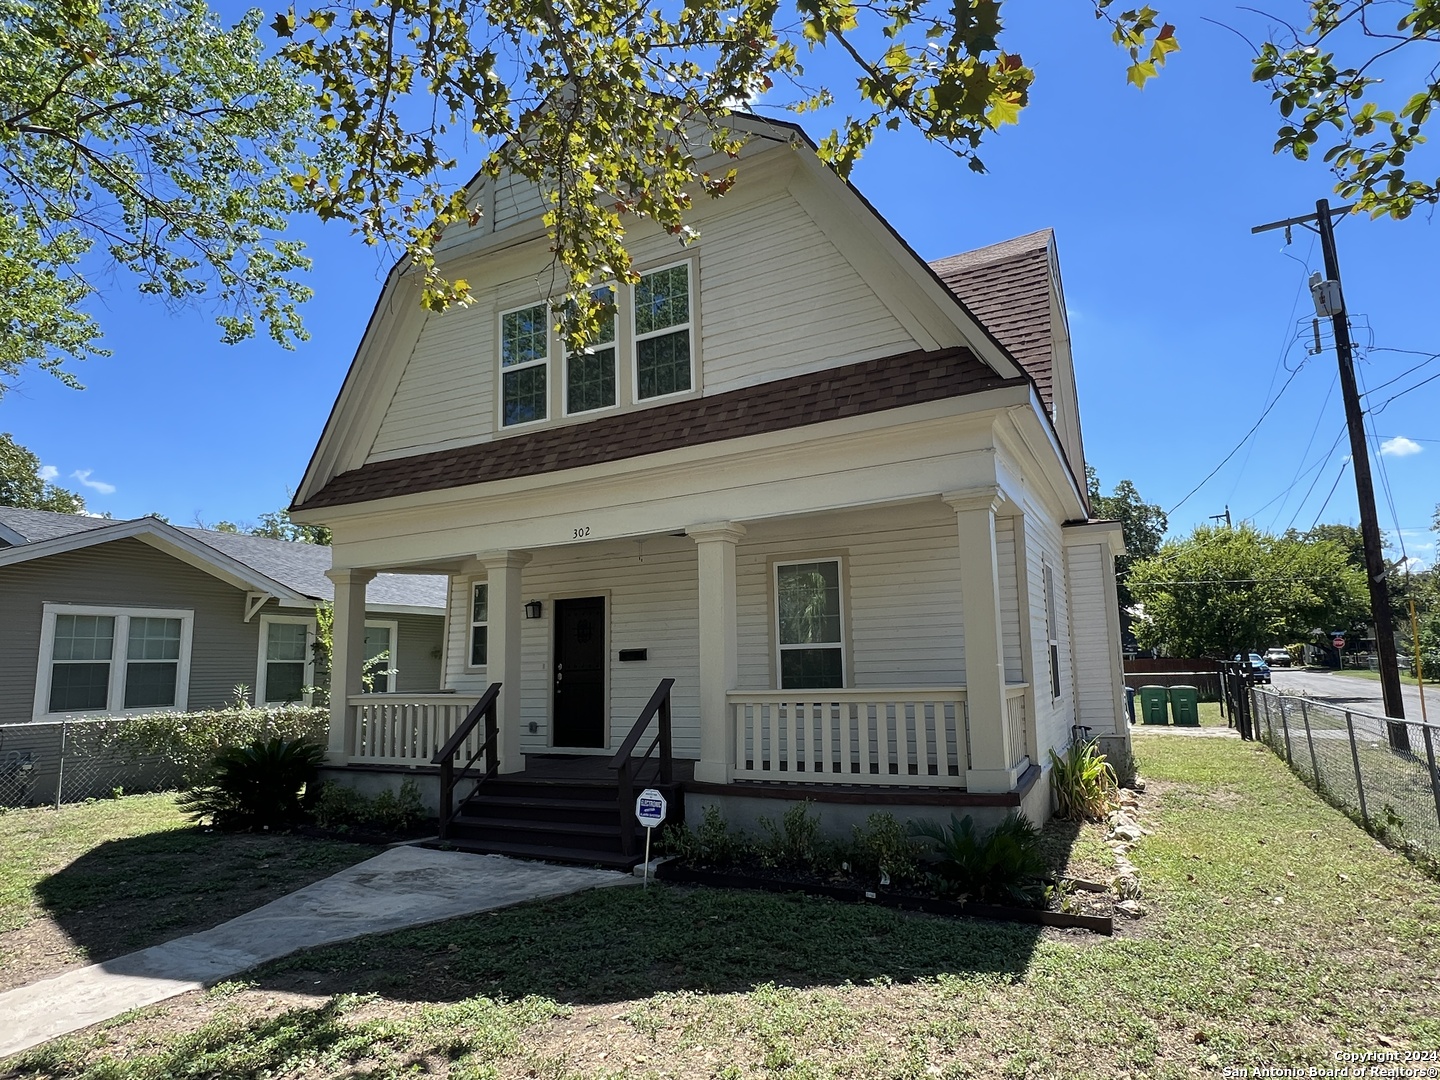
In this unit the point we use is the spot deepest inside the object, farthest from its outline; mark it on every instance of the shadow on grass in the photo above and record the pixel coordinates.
(132, 893)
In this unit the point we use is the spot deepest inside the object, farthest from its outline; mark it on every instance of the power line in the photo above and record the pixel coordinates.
(1343, 466)
(1326, 457)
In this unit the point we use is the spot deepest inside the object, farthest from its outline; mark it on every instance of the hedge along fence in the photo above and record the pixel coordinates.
(84, 758)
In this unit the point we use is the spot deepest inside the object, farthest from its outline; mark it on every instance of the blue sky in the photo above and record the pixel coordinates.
(1185, 325)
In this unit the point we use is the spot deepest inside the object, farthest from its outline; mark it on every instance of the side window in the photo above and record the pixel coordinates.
(80, 669)
(112, 660)
(286, 666)
(380, 645)
(662, 333)
(524, 364)
(480, 625)
(1052, 630)
(810, 625)
(590, 375)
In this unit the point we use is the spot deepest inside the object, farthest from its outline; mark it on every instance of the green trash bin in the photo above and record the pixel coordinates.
(1154, 705)
(1185, 706)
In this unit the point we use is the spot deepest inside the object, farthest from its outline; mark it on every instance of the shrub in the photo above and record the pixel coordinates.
(192, 741)
(795, 843)
(883, 851)
(1004, 864)
(1084, 784)
(258, 785)
(711, 844)
(339, 806)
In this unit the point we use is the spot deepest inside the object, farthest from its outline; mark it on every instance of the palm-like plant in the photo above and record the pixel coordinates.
(1003, 864)
(259, 785)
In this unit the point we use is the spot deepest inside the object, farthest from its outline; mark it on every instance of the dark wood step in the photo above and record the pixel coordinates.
(546, 853)
(580, 835)
(541, 808)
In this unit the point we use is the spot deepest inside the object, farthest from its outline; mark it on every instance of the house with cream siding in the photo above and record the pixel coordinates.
(111, 618)
(824, 500)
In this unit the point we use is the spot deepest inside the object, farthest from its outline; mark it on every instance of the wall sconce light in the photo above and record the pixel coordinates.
(533, 609)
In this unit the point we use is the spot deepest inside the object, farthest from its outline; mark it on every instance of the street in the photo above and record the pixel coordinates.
(1349, 692)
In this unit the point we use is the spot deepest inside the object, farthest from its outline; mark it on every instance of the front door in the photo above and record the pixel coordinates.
(579, 688)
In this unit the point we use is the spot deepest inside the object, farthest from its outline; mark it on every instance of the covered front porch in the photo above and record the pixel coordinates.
(938, 587)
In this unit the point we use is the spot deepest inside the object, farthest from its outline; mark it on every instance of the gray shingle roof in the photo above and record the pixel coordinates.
(37, 525)
(299, 566)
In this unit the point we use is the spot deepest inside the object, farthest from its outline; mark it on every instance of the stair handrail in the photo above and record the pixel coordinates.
(627, 769)
(445, 756)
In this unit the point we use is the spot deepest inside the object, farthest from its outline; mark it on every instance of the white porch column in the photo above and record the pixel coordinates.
(719, 646)
(990, 767)
(347, 657)
(502, 572)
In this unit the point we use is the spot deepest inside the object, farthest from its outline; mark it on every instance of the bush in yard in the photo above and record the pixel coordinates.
(1004, 865)
(193, 740)
(795, 843)
(339, 806)
(883, 851)
(259, 785)
(1084, 784)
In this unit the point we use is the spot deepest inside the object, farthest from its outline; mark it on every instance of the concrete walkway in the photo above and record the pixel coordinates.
(405, 886)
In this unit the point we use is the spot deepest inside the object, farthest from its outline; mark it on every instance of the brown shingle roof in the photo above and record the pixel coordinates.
(853, 390)
(1007, 287)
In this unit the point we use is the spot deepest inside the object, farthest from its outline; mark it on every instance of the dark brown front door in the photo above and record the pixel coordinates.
(579, 686)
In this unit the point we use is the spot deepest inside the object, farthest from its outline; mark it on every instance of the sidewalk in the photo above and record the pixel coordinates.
(405, 886)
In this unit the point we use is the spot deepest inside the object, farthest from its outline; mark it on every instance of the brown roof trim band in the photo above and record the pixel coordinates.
(870, 386)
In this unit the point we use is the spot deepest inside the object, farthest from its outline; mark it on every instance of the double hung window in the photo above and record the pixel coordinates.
(524, 365)
(287, 661)
(590, 374)
(1052, 630)
(810, 629)
(480, 625)
(111, 660)
(662, 333)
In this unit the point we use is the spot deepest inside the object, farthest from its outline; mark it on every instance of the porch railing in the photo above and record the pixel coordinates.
(404, 729)
(457, 746)
(914, 737)
(1016, 722)
(628, 769)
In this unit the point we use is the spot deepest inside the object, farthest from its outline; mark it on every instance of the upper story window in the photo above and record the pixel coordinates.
(590, 375)
(111, 660)
(524, 365)
(662, 333)
(643, 350)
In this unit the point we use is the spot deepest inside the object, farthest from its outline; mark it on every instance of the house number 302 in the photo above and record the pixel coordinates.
(581, 533)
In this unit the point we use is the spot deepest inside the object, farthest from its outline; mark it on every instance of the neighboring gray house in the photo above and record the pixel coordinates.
(102, 617)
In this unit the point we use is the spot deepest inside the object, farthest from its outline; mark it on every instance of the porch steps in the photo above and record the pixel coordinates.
(566, 821)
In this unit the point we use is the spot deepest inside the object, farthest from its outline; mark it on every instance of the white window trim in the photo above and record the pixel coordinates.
(844, 620)
(394, 627)
(1052, 629)
(470, 625)
(613, 344)
(502, 370)
(115, 694)
(690, 326)
(308, 621)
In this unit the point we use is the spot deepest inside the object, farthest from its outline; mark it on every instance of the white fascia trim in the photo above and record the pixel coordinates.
(1108, 532)
(377, 609)
(1032, 418)
(164, 538)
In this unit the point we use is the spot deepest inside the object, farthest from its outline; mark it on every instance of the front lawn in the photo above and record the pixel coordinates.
(1278, 934)
(97, 879)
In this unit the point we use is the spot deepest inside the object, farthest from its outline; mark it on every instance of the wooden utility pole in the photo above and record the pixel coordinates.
(1364, 488)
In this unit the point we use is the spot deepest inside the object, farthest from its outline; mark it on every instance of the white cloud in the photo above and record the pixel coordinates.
(48, 473)
(1400, 446)
(83, 475)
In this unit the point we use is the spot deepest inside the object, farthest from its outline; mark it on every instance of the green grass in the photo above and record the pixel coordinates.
(97, 879)
(1278, 934)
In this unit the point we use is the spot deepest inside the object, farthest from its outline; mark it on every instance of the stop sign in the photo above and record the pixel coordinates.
(1338, 641)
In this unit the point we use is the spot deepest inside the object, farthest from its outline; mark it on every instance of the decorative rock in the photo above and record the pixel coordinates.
(1131, 908)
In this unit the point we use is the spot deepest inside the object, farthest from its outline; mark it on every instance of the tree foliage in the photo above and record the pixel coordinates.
(1142, 524)
(1328, 78)
(615, 109)
(278, 526)
(1223, 590)
(145, 134)
(23, 484)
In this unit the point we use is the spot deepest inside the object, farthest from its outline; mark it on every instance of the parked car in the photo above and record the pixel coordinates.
(1277, 657)
(1259, 670)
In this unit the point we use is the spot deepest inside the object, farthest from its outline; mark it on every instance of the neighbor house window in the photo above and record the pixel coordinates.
(524, 361)
(590, 375)
(111, 660)
(480, 625)
(381, 641)
(662, 332)
(810, 625)
(287, 659)
(1052, 631)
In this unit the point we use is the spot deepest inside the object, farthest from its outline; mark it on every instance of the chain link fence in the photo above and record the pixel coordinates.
(1347, 756)
(73, 760)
